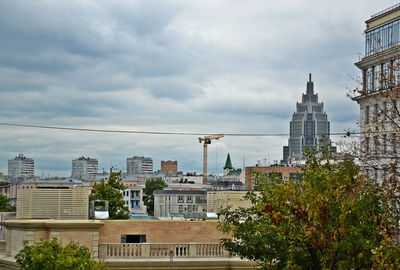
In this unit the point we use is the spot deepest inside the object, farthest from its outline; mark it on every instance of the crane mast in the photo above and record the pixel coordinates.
(206, 141)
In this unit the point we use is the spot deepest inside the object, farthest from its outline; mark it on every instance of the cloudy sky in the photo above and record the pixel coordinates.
(223, 66)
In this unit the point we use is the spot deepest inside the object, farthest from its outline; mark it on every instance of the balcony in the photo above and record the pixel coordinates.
(162, 250)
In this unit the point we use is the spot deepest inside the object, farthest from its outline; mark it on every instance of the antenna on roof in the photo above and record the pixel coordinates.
(309, 75)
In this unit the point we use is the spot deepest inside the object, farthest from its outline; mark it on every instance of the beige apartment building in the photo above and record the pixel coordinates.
(379, 94)
(283, 172)
(217, 200)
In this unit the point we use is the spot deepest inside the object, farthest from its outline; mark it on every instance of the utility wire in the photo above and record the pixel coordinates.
(166, 132)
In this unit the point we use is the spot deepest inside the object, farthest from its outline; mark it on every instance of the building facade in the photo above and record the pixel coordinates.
(21, 166)
(379, 94)
(284, 173)
(84, 168)
(133, 198)
(139, 165)
(169, 167)
(309, 126)
(217, 200)
(175, 203)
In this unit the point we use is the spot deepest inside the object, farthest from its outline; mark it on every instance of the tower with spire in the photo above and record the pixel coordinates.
(228, 165)
(309, 126)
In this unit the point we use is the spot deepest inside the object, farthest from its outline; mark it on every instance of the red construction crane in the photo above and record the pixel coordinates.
(207, 140)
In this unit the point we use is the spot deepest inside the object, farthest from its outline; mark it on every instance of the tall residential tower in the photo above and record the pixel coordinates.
(139, 165)
(84, 168)
(21, 166)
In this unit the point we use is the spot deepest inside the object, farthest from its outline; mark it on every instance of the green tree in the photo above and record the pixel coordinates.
(330, 218)
(4, 203)
(151, 186)
(52, 255)
(110, 191)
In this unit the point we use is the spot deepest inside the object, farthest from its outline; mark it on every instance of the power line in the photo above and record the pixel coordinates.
(165, 132)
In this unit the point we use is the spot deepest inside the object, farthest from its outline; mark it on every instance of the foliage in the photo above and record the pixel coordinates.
(52, 255)
(330, 218)
(4, 204)
(110, 191)
(151, 186)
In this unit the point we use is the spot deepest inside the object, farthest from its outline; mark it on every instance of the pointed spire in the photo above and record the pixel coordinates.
(228, 163)
(310, 87)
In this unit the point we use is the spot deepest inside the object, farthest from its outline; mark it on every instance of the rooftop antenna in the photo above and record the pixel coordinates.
(216, 157)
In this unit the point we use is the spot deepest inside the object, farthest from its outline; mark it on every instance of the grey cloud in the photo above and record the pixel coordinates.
(202, 66)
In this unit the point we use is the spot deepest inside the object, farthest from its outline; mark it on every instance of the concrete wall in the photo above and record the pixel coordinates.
(161, 231)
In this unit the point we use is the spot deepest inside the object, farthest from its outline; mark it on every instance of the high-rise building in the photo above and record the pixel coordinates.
(169, 167)
(309, 126)
(379, 94)
(21, 166)
(139, 165)
(84, 168)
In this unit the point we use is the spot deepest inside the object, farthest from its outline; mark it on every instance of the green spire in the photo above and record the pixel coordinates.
(228, 163)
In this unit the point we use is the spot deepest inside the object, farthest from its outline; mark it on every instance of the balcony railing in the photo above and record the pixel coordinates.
(161, 250)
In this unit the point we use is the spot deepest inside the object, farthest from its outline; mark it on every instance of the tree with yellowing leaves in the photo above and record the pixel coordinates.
(330, 218)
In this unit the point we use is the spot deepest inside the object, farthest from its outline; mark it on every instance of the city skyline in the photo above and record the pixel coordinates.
(206, 67)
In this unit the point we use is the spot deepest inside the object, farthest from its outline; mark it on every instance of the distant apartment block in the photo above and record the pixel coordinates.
(169, 167)
(84, 168)
(21, 166)
(139, 165)
(169, 203)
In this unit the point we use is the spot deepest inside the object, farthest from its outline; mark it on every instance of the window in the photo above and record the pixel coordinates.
(394, 143)
(180, 208)
(189, 208)
(384, 173)
(366, 145)
(384, 143)
(394, 109)
(135, 204)
(133, 238)
(198, 199)
(366, 115)
(376, 143)
(180, 199)
(376, 113)
(368, 80)
(377, 78)
(189, 199)
(385, 110)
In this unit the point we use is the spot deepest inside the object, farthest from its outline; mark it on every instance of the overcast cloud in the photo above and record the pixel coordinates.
(183, 66)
